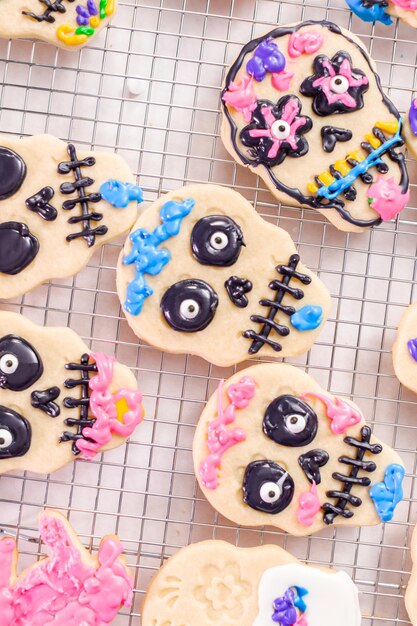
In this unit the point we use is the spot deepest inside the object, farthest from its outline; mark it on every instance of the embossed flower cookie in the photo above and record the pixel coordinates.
(404, 350)
(59, 401)
(303, 108)
(247, 587)
(71, 586)
(202, 273)
(68, 24)
(273, 448)
(58, 204)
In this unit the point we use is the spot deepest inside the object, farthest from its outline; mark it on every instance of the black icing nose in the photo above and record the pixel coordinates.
(237, 288)
(44, 400)
(311, 462)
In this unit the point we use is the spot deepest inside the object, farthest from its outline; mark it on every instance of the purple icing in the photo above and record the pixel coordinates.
(266, 58)
(285, 612)
(412, 116)
(412, 348)
(92, 7)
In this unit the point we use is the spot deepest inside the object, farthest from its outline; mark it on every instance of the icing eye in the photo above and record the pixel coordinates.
(267, 487)
(9, 363)
(20, 364)
(281, 129)
(18, 247)
(339, 84)
(15, 434)
(6, 438)
(216, 240)
(289, 421)
(189, 305)
(12, 172)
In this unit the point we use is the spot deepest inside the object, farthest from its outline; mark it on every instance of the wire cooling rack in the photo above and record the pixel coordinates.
(148, 88)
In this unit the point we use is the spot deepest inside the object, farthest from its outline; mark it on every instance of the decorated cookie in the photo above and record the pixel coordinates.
(404, 350)
(71, 587)
(202, 273)
(58, 204)
(69, 24)
(410, 128)
(382, 10)
(410, 597)
(304, 109)
(273, 448)
(259, 586)
(58, 400)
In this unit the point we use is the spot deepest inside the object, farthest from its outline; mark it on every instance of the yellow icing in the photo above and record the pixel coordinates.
(65, 33)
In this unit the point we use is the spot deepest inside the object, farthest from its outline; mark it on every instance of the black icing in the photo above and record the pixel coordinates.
(290, 421)
(237, 288)
(216, 240)
(330, 135)
(40, 203)
(47, 15)
(44, 401)
(15, 434)
(267, 487)
(311, 462)
(194, 315)
(18, 247)
(20, 364)
(12, 172)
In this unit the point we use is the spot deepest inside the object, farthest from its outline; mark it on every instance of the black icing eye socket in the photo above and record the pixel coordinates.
(18, 247)
(216, 240)
(290, 421)
(15, 434)
(267, 487)
(189, 305)
(20, 364)
(12, 172)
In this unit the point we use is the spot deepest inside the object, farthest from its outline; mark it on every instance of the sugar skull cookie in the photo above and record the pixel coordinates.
(304, 109)
(273, 448)
(202, 273)
(68, 24)
(69, 587)
(58, 400)
(383, 10)
(58, 204)
(404, 350)
(247, 587)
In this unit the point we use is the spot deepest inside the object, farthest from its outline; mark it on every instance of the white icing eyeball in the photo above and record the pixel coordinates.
(280, 129)
(189, 309)
(270, 492)
(9, 363)
(339, 84)
(295, 423)
(6, 438)
(219, 240)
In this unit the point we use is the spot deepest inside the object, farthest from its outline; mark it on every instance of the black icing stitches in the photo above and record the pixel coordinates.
(20, 364)
(189, 305)
(267, 487)
(12, 172)
(51, 7)
(311, 462)
(18, 247)
(289, 421)
(330, 135)
(15, 434)
(216, 240)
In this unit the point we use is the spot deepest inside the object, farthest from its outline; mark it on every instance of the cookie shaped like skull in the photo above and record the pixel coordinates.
(202, 273)
(303, 108)
(57, 401)
(273, 448)
(404, 350)
(57, 205)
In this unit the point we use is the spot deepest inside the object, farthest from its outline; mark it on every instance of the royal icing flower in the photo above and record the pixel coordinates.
(335, 86)
(223, 592)
(276, 131)
(386, 197)
(266, 58)
(240, 96)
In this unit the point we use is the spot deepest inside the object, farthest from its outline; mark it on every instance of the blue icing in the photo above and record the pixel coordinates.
(308, 317)
(147, 257)
(375, 12)
(386, 495)
(298, 598)
(120, 194)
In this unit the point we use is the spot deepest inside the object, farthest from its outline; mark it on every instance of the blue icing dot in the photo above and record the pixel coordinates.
(386, 495)
(376, 12)
(119, 194)
(308, 317)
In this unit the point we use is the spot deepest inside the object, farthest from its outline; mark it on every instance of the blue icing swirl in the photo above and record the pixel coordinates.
(386, 495)
(119, 194)
(147, 257)
(370, 11)
(309, 317)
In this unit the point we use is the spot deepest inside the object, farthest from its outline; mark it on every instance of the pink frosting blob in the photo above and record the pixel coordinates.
(308, 506)
(62, 590)
(342, 414)
(304, 43)
(407, 5)
(386, 197)
(240, 96)
(282, 80)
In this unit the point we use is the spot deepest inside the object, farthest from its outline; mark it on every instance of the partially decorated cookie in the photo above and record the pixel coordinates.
(58, 205)
(410, 128)
(59, 401)
(404, 350)
(384, 10)
(410, 597)
(203, 273)
(259, 586)
(71, 587)
(303, 108)
(274, 448)
(68, 24)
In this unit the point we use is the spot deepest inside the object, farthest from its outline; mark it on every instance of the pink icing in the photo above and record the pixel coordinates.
(342, 414)
(103, 406)
(291, 109)
(305, 42)
(281, 80)
(346, 71)
(386, 197)
(241, 96)
(62, 590)
(219, 437)
(308, 506)
(407, 5)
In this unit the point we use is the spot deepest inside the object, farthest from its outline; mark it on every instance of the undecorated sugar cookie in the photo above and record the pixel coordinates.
(59, 401)
(304, 109)
(202, 273)
(274, 448)
(404, 350)
(384, 10)
(68, 24)
(259, 586)
(410, 596)
(71, 587)
(58, 204)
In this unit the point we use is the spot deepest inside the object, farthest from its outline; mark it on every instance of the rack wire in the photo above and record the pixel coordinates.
(148, 88)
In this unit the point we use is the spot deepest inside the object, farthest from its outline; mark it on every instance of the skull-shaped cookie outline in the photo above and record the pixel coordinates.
(265, 248)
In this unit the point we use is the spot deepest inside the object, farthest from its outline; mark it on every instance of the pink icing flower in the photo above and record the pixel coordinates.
(240, 96)
(304, 43)
(407, 5)
(342, 414)
(386, 197)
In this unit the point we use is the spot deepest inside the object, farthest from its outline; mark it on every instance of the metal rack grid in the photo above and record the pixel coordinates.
(176, 53)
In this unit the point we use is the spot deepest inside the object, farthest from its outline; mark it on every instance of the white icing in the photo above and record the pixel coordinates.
(332, 599)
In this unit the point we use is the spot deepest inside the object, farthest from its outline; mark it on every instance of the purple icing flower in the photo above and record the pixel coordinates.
(266, 58)
(285, 612)
(84, 13)
(412, 116)
(412, 348)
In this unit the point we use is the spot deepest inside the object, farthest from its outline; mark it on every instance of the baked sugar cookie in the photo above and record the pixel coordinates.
(58, 204)
(202, 273)
(59, 401)
(410, 128)
(404, 350)
(410, 597)
(71, 587)
(248, 587)
(384, 10)
(68, 24)
(303, 108)
(274, 448)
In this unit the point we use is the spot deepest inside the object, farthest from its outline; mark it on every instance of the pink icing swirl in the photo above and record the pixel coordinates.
(387, 198)
(304, 43)
(219, 437)
(308, 506)
(240, 96)
(62, 590)
(281, 80)
(342, 414)
(103, 406)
